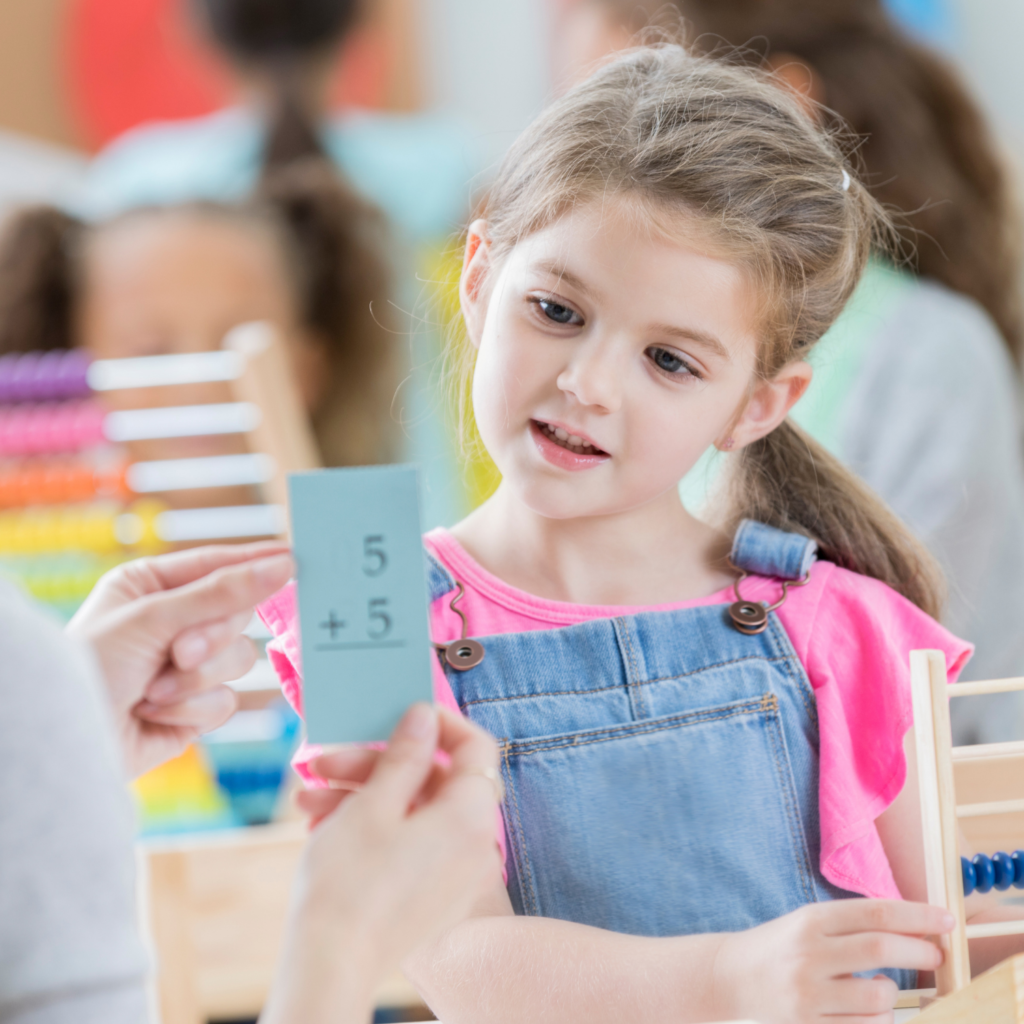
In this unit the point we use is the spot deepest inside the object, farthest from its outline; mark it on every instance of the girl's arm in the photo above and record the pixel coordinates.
(900, 830)
(495, 967)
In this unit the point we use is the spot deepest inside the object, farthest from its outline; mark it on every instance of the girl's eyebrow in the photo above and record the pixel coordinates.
(556, 269)
(703, 338)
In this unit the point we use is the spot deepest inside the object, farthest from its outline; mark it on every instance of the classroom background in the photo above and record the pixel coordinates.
(112, 107)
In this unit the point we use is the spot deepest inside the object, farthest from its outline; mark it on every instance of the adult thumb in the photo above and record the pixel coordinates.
(405, 764)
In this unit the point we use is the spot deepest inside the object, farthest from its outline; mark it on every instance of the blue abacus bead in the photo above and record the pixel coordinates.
(984, 873)
(1018, 868)
(1003, 868)
(967, 870)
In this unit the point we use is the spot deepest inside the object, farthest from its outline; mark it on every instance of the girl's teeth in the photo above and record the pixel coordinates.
(574, 440)
(561, 434)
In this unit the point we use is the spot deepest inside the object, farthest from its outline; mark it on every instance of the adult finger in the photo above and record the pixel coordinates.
(179, 568)
(230, 664)
(405, 763)
(201, 712)
(468, 746)
(195, 645)
(865, 951)
(847, 917)
(350, 764)
(219, 595)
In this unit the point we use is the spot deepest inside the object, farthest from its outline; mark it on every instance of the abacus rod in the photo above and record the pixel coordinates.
(160, 371)
(180, 525)
(993, 807)
(985, 751)
(991, 929)
(181, 421)
(194, 474)
(986, 686)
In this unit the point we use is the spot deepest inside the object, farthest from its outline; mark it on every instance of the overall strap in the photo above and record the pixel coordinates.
(439, 580)
(765, 551)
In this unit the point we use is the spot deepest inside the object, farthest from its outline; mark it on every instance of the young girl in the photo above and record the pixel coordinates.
(695, 784)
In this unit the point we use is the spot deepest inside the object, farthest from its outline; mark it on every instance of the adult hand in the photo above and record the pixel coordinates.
(404, 858)
(798, 968)
(168, 633)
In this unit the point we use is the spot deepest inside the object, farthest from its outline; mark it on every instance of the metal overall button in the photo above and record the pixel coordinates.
(461, 654)
(751, 617)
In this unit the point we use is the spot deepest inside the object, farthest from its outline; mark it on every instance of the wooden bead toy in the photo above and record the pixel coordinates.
(998, 994)
(69, 489)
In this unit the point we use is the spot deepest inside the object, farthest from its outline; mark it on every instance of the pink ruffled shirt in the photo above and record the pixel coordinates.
(852, 634)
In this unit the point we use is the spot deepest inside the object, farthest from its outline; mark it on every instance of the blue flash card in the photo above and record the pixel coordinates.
(362, 600)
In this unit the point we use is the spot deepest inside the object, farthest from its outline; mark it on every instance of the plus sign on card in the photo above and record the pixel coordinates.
(362, 600)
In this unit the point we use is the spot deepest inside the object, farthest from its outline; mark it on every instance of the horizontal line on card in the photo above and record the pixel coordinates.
(360, 646)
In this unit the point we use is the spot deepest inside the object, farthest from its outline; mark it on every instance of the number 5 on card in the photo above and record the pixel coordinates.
(362, 600)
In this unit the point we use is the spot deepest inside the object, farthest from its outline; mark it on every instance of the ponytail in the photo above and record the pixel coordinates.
(38, 279)
(339, 244)
(789, 481)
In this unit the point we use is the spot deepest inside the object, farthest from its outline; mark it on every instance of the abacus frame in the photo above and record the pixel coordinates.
(931, 693)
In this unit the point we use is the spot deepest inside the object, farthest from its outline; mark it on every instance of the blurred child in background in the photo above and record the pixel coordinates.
(305, 254)
(413, 166)
(916, 386)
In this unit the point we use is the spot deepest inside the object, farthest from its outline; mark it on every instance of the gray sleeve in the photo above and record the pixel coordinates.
(69, 943)
(933, 425)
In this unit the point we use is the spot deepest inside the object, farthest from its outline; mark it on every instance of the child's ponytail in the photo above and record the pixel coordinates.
(789, 481)
(38, 279)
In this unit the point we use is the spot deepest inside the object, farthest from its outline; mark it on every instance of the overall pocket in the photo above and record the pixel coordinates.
(680, 824)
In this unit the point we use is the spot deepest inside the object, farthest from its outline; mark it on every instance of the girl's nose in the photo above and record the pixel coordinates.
(594, 378)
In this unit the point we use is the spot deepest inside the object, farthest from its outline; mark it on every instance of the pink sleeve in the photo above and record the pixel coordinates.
(855, 635)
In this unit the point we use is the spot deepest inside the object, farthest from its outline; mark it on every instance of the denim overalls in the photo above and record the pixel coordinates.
(661, 769)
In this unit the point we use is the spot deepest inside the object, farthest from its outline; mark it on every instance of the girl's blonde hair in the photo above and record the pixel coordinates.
(730, 148)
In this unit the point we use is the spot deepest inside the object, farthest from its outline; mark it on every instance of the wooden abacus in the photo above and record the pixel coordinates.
(997, 995)
(66, 486)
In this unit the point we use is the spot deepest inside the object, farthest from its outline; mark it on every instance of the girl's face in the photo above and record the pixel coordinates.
(610, 357)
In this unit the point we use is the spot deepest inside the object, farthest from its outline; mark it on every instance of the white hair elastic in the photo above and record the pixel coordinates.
(846, 180)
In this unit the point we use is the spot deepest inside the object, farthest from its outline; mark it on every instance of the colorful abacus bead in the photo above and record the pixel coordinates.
(39, 376)
(1000, 871)
(50, 428)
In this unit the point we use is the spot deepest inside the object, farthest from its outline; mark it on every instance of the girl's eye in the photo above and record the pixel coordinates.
(558, 313)
(671, 363)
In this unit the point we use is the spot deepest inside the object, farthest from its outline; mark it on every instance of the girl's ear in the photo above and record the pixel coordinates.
(476, 266)
(769, 404)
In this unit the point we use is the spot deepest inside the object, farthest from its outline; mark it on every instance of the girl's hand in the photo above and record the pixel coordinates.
(400, 860)
(167, 632)
(797, 969)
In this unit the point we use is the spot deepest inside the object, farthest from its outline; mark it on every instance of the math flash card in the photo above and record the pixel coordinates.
(362, 600)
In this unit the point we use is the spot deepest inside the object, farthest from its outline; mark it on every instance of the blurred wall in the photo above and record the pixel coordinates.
(31, 82)
(487, 62)
(988, 35)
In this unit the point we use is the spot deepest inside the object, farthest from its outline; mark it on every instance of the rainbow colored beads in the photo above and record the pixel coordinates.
(44, 376)
(50, 428)
(1000, 871)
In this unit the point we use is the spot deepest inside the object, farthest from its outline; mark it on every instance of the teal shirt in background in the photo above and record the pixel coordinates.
(417, 168)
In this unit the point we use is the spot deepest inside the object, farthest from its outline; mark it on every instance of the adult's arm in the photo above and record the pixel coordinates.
(69, 949)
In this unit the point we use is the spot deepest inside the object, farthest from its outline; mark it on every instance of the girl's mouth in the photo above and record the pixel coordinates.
(564, 449)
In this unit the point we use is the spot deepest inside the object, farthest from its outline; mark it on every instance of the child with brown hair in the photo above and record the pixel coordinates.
(305, 254)
(703, 727)
(917, 384)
